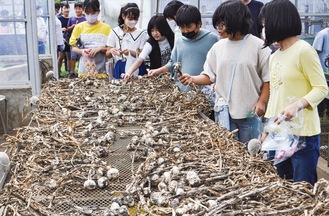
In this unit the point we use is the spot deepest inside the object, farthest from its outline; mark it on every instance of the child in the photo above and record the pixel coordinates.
(250, 85)
(158, 47)
(191, 48)
(66, 53)
(92, 35)
(295, 73)
(126, 41)
(169, 12)
(72, 22)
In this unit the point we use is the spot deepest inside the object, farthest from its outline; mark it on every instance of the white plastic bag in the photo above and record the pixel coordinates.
(283, 138)
(222, 114)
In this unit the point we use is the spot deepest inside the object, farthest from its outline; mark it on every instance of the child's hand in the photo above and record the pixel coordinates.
(290, 112)
(85, 52)
(115, 51)
(185, 79)
(127, 77)
(125, 52)
(93, 52)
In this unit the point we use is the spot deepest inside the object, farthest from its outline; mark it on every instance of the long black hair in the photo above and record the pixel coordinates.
(161, 24)
(281, 19)
(235, 15)
(131, 10)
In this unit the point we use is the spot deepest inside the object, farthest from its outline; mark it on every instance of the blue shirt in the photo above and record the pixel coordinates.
(321, 44)
(192, 54)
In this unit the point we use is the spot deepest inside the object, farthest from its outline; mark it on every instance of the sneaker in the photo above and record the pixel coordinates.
(71, 75)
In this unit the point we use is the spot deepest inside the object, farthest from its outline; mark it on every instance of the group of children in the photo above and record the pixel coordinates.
(238, 64)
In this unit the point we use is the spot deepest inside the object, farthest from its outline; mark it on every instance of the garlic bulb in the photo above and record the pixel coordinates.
(103, 182)
(90, 184)
(113, 174)
(52, 184)
(212, 204)
(193, 178)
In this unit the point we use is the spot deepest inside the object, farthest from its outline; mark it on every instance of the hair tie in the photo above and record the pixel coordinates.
(130, 8)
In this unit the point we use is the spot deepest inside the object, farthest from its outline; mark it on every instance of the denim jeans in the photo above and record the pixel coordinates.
(245, 126)
(302, 165)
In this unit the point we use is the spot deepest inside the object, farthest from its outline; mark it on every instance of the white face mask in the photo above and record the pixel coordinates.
(172, 24)
(91, 18)
(131, 23)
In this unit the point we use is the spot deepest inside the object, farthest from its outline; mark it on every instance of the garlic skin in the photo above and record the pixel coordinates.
(89, 184)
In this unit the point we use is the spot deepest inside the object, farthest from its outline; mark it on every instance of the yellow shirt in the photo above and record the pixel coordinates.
(296, 73)
(92, 36)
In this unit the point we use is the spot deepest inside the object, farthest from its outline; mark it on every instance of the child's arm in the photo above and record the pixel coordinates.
(132, 68)
(202, 79)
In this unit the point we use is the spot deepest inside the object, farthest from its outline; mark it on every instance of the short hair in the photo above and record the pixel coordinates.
(66, 5)
(57, 6)
(188, 14)
(160, 23)
(91, 5)
(78, 4)
(131, 10)
(171, 9)
(235, 15)
(281, 19)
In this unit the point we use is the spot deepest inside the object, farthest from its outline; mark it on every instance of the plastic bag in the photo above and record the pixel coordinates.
(255, 124)
(222, 114)
(283, 138)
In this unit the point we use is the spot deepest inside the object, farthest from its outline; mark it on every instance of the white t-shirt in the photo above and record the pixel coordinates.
(165, 51)
(58, 32)
(132, 41)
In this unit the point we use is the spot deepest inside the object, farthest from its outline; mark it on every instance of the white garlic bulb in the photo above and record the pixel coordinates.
(113, 174)
(166, 177)
(103, 182)
(193, 178)
(90, 184)
(212, 204)
(52, 184)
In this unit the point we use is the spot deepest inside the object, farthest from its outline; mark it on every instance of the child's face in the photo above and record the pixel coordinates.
(190, 31)
(221, 29)
(78, 11)
(157, 35)
(66, 11)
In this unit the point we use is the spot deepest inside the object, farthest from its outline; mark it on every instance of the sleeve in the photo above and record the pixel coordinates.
(209, 66)
(318, 42)
(312, 70)
(69, 22)
(75, 34)
(147, 49)
(144, 38)
(264, 59)
(111, 40)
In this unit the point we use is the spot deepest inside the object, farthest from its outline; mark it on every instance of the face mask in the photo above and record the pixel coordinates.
(131, 23)
(172, 24)
(91, 18)
(190, 35)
